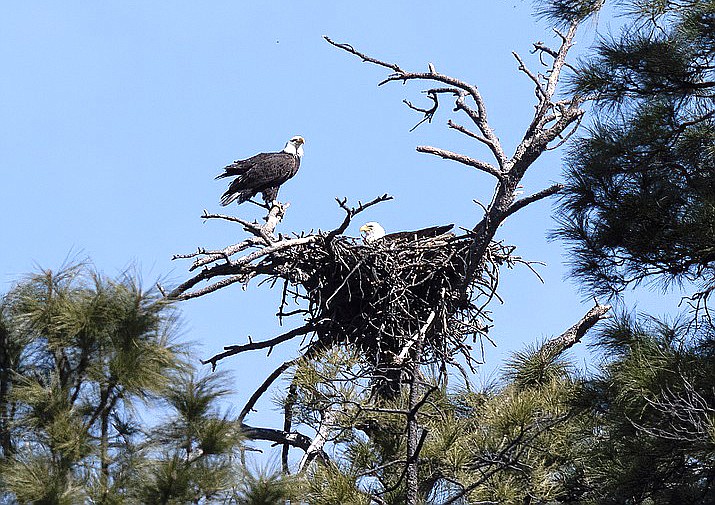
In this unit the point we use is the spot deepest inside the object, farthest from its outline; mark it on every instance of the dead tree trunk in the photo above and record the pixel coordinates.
(413, 427)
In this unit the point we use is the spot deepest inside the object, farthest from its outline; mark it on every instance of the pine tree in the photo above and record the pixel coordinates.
(82, 350)
(639, 205)
(648, 416)
(82, 358)
(193, 455)
(522, 439)
(640, 196)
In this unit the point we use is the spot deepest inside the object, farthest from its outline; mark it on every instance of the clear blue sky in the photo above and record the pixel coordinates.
(116, 116)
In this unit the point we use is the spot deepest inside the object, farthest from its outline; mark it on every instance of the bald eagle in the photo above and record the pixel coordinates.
(262, 173)
(372, 232)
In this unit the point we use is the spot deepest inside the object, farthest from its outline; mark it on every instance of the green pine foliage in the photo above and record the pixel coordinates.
(639, 202)
(503, 444)
(328, 485)
(639, 205)
(640, 429)
(86, 363)
(651, 415)
(536, 366)
(84, 348)
(564, 12)
(38, 479)
(192, 455)
(263, 486)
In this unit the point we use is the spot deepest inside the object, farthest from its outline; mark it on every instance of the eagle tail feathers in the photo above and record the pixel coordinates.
(241, 196)
(227, 199)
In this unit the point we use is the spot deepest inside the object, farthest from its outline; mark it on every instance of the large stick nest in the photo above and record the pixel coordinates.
(378, 297)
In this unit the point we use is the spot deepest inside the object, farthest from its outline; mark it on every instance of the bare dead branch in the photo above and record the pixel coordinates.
(540, 91)
(181, 292)
(364, 57)
(279, 437)
(460, 158)
(540, 47)
(574, 334)
(275, 216)
(479, 117)
(560, 59)
(467, 132)
(265, 385)
(313, 349)
(232, 350)
(250, 227)
(321, 438)
(208, 257)
(565, 137)
(419, 336)
(351, 212)
(262, 233)
(523, 202)
(428, 113)
(685, 415)
(239, 268)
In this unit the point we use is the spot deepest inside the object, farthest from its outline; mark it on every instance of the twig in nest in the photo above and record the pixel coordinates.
(351, 212)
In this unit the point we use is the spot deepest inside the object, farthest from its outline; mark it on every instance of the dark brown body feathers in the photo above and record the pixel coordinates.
(263, 173)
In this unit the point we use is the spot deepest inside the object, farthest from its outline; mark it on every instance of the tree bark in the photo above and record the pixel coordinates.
(5, 378)
(104, 452)
(413, 428)
(573, 335)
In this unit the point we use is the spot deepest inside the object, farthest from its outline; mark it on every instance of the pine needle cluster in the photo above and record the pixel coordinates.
(639, 203)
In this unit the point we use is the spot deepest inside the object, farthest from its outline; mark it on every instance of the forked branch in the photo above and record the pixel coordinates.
(550, 122)
(478, 115)
(232, 350)
(351, 212)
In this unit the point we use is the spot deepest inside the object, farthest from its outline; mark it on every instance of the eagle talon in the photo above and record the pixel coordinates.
(262, 205)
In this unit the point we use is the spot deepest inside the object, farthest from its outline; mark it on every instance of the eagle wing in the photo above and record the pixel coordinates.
(262, 173)
(432, 231)
(239, 167)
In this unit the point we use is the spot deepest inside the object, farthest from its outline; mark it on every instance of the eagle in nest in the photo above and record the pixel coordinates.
(373, 232)
(263, 173)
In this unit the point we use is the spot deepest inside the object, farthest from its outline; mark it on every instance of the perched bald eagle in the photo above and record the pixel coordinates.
(372, 232)
(262, 173)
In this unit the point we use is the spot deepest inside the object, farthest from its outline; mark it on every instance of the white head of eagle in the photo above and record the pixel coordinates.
(295, 146)
(263, 173)
(371, 232)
